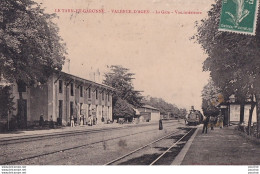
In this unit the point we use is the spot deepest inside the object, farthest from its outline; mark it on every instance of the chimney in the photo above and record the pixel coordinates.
(92, 75)
(68, 62)
(66, 66)
(97, 76)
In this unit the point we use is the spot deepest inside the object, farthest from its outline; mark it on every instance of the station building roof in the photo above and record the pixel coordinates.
(74, 77)
(149, 107)
(4, 82)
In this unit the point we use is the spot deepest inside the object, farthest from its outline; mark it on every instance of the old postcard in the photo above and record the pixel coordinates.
(133, 82)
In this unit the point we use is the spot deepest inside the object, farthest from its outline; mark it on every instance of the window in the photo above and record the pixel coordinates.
(71, 89)
(60, 86)
(107, 97)
(89, 92)
(102, 95)
(96, 94)
(81, 91)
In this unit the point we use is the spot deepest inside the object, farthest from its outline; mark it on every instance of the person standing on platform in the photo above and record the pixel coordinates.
(81, 120)
(212, 122)
(41, 122)
(72, 121)
(205, 124)
(160, 124)
(90, 121)
(220, 120)
(51, 122)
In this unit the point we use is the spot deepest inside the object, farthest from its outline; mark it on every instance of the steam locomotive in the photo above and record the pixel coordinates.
(194, 117)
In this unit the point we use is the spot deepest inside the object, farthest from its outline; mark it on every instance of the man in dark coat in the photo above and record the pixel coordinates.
(160, 124)
(41, 120)
(205, 124)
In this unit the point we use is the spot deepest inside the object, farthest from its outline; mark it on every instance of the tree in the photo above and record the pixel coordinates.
(121, 79)
(233, 59)
(183, 112)
(163, 106)
(123, 109)
(6, 102)
(30, 47)
(6, 107)
(211, 98)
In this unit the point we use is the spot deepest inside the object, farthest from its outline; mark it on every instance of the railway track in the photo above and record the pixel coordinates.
(153, 159)
(30, 138)
(75, 147)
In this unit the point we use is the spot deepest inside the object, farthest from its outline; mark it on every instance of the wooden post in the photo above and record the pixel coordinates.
(8, 120)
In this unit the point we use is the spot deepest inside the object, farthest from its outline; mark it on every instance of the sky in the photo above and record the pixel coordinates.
(156, 47)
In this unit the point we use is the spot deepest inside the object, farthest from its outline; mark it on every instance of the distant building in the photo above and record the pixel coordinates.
(231, 111)
(149, 113)
(62, 96)
(165, 115)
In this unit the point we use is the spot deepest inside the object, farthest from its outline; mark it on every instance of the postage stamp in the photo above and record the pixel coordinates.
(239, 16)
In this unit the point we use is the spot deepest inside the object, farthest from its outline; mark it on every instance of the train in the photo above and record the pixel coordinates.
(194, 117)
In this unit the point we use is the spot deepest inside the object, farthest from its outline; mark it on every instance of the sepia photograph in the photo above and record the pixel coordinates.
(133, 83)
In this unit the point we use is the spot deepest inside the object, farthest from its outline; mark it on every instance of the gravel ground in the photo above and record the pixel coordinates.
(96, 148)
(147, 155)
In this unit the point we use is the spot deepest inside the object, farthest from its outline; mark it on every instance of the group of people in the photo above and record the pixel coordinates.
(73, 120)
(90, 121)
(212, 121)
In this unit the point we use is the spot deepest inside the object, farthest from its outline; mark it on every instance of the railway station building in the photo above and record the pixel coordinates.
(61, 97)
(231, 111)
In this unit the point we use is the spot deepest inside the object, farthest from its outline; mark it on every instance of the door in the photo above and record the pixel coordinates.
(224, 113)
(22, 113)
(60, 112)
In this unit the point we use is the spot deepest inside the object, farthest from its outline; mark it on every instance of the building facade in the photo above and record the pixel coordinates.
(231, 112)
(63, 96)
(235, 110)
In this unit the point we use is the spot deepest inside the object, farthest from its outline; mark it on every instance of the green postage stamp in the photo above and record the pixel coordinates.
(239, 16)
